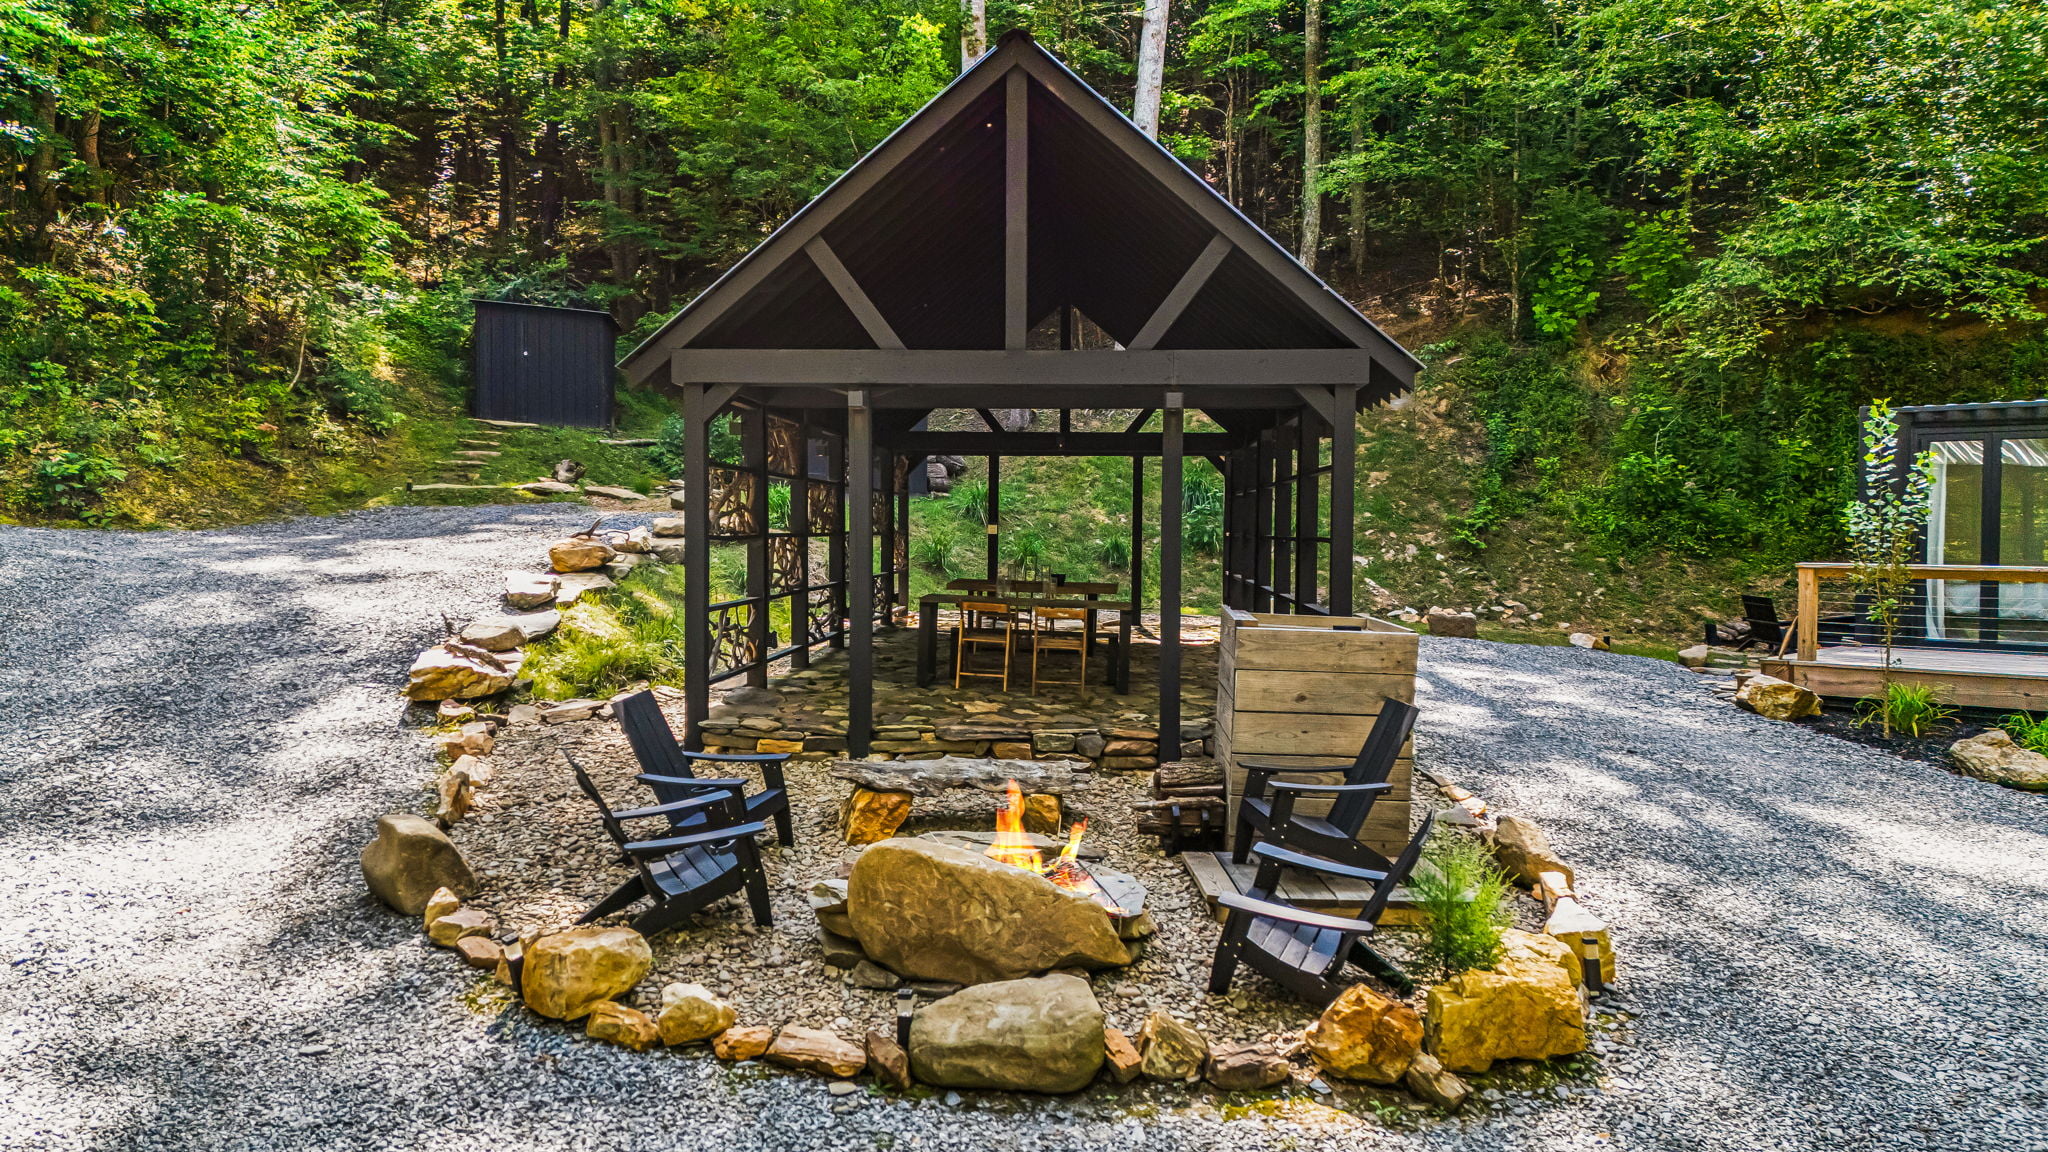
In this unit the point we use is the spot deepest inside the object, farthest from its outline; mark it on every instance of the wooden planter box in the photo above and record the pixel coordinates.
(1305, 690)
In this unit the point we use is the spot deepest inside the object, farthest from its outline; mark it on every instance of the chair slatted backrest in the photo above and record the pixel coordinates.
(654, 742)
(1762, 616)
(612, 827)
(1403, 865)
(1375, 760)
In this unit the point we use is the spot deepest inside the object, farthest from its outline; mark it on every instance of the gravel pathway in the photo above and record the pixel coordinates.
(1828, 948)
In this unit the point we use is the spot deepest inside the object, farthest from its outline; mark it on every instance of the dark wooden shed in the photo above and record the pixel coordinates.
(952, 268)
(543, 365)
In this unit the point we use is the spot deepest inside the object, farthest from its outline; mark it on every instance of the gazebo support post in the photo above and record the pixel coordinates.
(800, 527)
(993, 517)
(1169, 572)
(1138, 533)
(1308, 454)
(1343, 491)
(754, 458)
(860, 584)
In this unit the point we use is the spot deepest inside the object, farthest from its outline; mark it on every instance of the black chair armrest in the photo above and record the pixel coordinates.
(691, 782)
(1287, 913)
(737, 757)
(665, 846)
(1293, 859)
(675, 807)
(1331, 789)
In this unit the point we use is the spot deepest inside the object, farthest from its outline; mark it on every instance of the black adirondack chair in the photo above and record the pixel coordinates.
(1261, 816)
(1777, 635)
(1302, 951)
(683, 875)
(666, 766)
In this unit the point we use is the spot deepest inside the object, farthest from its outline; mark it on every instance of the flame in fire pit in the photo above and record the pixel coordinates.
(1013, 846)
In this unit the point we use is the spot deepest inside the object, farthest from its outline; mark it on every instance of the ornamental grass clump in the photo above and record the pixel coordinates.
(1911, 709)
(1464, 895)
(2027, 731)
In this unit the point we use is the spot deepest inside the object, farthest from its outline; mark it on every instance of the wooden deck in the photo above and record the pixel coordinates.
(1214, 875)
(1971, 679)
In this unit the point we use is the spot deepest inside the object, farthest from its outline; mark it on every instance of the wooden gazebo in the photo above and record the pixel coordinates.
(951, 268)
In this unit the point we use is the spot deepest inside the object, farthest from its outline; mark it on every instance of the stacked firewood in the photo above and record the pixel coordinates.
(1187, 805)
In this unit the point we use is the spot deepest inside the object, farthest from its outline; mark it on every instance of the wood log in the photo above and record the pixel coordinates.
(931, 777)
(1178, 793)
(1190, 804)
(1183, 774)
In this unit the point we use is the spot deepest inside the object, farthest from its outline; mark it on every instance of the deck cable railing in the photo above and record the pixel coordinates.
(1945, 606)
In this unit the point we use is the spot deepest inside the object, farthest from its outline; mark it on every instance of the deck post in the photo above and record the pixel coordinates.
(888, 545)
(860, 583)
(835, 537)
(1343, 492)
(1807, 618)
(754, 459)
(1169, 572)
(697, 414)
(899, 556)
(1262, 525)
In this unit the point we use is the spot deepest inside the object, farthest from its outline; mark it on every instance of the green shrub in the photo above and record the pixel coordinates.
(2026, 731)
(969, 500)
(1201, 497)
(933, 547)
(1464, 896)
(1115, 551)
(1915, 709)
(1025, 550)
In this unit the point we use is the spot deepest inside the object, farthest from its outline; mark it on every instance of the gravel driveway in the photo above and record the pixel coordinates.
(1828, 948)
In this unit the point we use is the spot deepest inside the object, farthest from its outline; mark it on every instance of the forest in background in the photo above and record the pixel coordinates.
(1655, 252)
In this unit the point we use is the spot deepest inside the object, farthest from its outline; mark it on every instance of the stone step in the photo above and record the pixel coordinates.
(456, 487)
(477, 454)
(504, 423)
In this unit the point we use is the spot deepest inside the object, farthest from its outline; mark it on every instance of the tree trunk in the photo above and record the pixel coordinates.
(1151, 67)
(973, 32)
(1355, 219)
(1311, 130)
(508, 129)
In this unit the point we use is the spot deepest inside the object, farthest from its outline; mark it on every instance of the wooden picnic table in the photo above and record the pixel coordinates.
(1118, 676)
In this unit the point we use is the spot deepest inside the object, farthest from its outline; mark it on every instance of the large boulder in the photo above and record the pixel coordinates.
(1039, 1035)
(569, 973)
(1363, 1035)
(1776, 699)
(410, 860)
(931, 911)
(1993, 756)
(1526, 1007)
(457, 671)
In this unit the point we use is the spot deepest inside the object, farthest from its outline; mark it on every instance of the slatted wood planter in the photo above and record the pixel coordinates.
(1305, 690)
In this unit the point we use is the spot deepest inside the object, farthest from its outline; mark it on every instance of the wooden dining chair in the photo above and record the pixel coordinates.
(1047, 635)
(983, 624)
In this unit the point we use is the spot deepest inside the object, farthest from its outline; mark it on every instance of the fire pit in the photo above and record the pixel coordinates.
(946, 907)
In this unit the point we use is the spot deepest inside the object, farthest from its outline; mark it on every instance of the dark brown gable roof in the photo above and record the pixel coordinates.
(906, 249)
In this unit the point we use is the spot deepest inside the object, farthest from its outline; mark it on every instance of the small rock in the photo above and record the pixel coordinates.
(440, 904)
(690, 1013)
(668, 526)
(410, 860)
(747, 1042)
(1171, 1050)
(480, 952)
(1364, 1035)
(448, 929)
(840, 951)
(1445, 622)
(618, 1024)
(842, 1088)
(548, 488)
(525, 590)
(457, 671)
(1695, 656)
(575, 586)
(868, 974)
(1599, 643)
(1523, 850)
(1246, 1067)
(815, 1050)
(493, 635)
(1430, 1080)
(611, 493)
(888, 1061)
(579, 554)
(1121, 1056)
